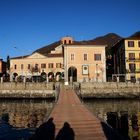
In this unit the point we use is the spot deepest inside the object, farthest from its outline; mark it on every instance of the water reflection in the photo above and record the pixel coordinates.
(26, 113)
(123, 115)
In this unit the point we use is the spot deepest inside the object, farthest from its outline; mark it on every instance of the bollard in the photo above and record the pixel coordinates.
(1, 79)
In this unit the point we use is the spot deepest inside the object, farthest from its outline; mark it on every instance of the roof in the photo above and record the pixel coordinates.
(20, 57)
(133, 38)
(108, 40)
(55, 55)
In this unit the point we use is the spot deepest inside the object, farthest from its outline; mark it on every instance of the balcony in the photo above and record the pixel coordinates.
(133, 71)
(132, 59)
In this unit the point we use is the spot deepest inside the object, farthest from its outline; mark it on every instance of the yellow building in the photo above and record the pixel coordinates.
(127, 58)
(77, 61)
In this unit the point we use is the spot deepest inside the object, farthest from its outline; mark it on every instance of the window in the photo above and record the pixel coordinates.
(22, 66)
(36, 68)
(72, 57)
(130, 43)
(97, 57)
(29, 66)
(50, 65)
(58, 65)
(131, 56)
(15, 67)
(65, 42)
(85, 57)
(69, 41)
(138, 43)
(43, 65)
(132, 67)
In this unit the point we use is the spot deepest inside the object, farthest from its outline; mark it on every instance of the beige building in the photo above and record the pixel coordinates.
(77, 61)
(38, 64)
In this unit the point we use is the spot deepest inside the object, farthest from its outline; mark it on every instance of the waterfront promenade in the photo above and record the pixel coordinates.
(79, 122)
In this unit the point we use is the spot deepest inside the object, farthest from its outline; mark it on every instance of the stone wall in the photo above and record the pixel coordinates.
(109, 90)
(27, 86)
(31, 94)
(27, 90)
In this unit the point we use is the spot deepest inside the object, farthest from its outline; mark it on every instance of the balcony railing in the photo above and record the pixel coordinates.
(133, 71)
(132, 59)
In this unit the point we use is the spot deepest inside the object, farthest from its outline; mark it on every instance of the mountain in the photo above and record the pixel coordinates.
(137, 34)
(47, 49)
(109, 39)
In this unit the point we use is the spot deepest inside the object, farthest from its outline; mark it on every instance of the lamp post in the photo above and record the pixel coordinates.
(66, 64)
(22, 65)
(96, 72)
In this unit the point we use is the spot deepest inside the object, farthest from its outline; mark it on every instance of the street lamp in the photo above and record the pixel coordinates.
(96, 72)
(22, 65)
(66, 64)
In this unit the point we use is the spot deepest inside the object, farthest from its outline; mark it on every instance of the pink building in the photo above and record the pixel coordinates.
(66, 59)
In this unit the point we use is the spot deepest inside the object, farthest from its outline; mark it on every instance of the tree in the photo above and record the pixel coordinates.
(8, 63)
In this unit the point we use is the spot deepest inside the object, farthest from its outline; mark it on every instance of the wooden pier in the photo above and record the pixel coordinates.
(84, 125)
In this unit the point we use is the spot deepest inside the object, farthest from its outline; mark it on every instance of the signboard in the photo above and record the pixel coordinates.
(85, 69)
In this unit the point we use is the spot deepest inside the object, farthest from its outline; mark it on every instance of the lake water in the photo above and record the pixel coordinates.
(123, 115)
(100, 107)
(26, 113)
(32, 113)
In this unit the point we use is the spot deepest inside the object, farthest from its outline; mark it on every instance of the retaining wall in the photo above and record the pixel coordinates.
(27, 90)
(109, 90)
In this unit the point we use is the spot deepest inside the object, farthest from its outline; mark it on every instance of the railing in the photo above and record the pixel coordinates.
(132, 59)
(133, 71)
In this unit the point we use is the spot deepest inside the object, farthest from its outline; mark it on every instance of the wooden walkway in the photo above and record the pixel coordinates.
(84, 124)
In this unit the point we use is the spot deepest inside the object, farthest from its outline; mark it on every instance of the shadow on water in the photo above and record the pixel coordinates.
(46, 131)
(65, 133)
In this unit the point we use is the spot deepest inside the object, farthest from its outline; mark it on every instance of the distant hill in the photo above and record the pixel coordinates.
(108, 39)
(137, 34)
(47, 49)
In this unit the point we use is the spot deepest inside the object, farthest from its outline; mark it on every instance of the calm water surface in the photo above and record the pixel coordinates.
(100, 107)
(32, 113)
(26, 113)
(127, 121)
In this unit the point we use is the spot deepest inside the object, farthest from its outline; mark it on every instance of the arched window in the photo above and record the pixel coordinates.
(70, 41)
(65, 41)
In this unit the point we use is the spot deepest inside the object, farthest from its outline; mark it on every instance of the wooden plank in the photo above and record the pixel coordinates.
(83, 123)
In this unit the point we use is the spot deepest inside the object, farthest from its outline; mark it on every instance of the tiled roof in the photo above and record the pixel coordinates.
(55, 55)
(20, 57)
(109, 40)
(133, 38)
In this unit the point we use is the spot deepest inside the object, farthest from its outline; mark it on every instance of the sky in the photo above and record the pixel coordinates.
(26, 25)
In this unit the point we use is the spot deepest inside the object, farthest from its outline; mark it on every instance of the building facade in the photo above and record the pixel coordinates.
(127, 59)
(2, 67)
(84, 63)
(36, 65)
(66, 60)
